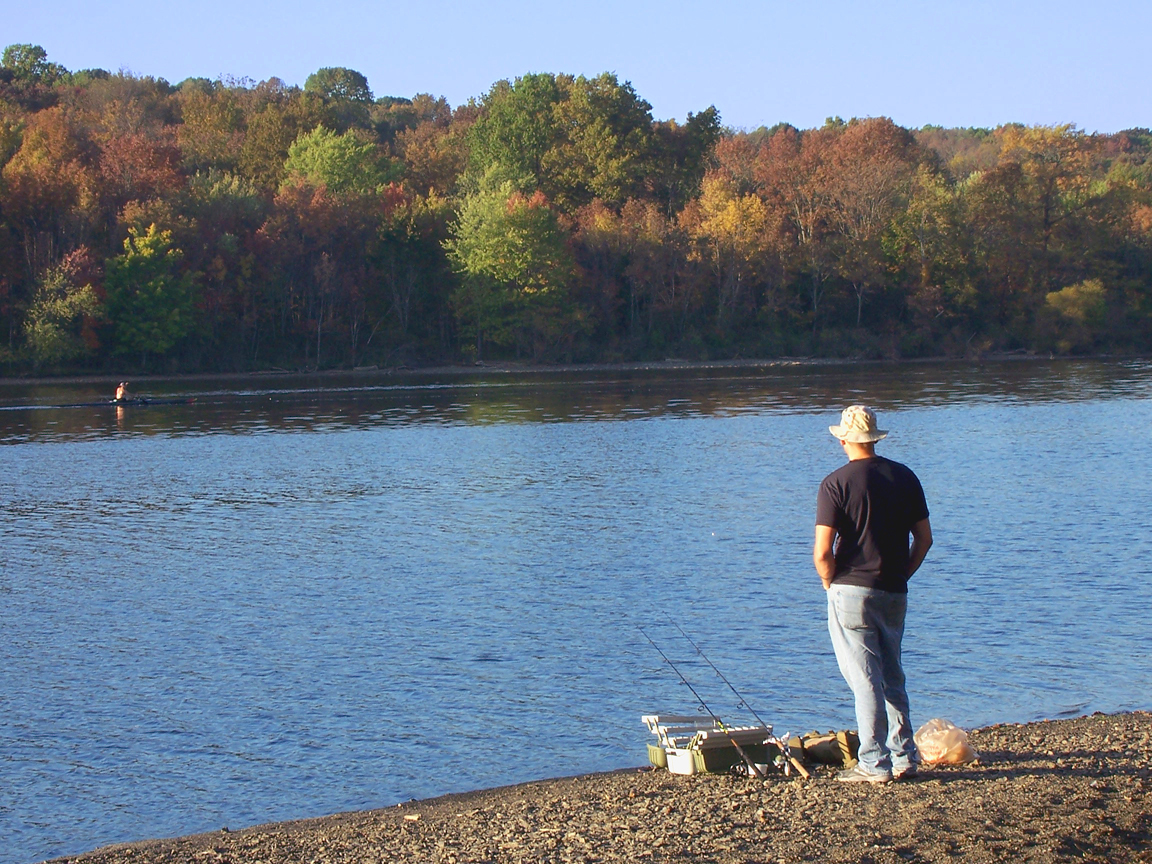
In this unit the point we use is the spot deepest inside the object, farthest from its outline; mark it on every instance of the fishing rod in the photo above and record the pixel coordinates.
(779, 742)
(719, 723)
(736, 693)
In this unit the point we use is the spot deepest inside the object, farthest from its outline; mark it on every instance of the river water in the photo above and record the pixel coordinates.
(301, 596)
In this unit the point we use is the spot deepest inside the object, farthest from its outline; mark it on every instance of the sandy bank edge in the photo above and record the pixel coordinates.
(1052, 790)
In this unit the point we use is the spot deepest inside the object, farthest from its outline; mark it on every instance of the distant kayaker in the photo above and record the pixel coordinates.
(122, 392)
(869, 508)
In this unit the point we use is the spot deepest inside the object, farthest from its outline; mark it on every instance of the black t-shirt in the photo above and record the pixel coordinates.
(872, 504)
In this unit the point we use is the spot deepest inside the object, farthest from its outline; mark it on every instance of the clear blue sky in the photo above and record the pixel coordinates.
(949, 63)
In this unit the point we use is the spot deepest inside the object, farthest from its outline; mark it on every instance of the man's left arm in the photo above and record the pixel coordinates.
(823, 556)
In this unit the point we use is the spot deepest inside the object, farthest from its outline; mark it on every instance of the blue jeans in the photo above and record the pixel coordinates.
(867, 626)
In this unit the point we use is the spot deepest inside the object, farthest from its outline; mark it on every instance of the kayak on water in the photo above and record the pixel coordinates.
(145, 400)
(135, 401)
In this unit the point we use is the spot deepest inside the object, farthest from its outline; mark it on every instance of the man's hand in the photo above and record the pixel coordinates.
(823, 556)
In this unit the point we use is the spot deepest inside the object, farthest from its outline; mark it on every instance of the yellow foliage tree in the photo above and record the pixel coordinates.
(735, 232)
(1080, 311)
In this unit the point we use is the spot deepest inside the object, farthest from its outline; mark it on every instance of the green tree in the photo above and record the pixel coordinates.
(926, 241)
(923, 233)
(30, 63)
(343, 163)
(517, 268)
(517, 128)
(412, 269)
(84, 77)
(150, 299)
(11, 134)
(605, 145)
(54, 326)
(337, 82)
(345, 92)
(574, 139)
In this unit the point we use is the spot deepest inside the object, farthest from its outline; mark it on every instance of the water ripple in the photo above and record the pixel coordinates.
(281, 604)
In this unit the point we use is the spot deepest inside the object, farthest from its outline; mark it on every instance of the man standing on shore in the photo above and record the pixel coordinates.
(869, 507)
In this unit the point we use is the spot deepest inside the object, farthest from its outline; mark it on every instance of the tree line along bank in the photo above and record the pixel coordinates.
(231, 225)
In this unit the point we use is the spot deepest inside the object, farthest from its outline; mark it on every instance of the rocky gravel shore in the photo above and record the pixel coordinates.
(1062, 790)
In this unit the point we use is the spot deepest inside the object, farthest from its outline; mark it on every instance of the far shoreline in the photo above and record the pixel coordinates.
(511, 367)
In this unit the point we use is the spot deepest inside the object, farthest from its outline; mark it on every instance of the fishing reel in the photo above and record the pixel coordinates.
(743, 769)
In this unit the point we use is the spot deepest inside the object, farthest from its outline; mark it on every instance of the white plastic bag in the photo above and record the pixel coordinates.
(942, 743)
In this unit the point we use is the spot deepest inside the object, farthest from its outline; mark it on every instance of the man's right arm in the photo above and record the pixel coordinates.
(823, 555)
(921, 543)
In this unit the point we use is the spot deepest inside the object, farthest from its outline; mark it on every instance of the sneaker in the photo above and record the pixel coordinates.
(908, 773)
(857, 774)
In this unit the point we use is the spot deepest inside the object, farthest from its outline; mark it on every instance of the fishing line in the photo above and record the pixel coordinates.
(683, 680)
(743, 702)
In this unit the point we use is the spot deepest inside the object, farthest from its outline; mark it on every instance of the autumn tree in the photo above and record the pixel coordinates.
(866, 181)
(222, 214)
(659, 273)
(737, 234)
(735, 159)
(1055, 167)
(434, 157)
(51, 192)
(637, 273)
(322, 226)
(322, 273)
(792, 174)
(960, 152)
(682, 153)
(211, 133)
(603, 249)
(1077, 314)
(275, 117)
(137, 166)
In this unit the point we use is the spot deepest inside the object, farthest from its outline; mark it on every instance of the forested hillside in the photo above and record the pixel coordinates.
(232, 225)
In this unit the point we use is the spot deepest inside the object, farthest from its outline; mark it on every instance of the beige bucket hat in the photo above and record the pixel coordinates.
(858, 426)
